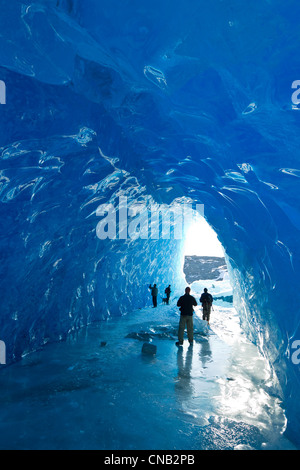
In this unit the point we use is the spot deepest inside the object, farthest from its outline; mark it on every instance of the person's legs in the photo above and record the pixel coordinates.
(181, 329)
(190, 329)
(154, 301)
(205, 314)
(208, 314)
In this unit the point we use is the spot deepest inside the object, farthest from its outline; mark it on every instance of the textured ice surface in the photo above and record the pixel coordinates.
(99, 391)
(155, 101)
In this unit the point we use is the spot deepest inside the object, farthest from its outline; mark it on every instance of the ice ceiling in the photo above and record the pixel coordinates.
(158, 101)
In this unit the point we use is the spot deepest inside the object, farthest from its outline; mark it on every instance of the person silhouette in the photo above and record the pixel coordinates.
(206, 300)
(186, 304)
(154, 293)
(168, 293)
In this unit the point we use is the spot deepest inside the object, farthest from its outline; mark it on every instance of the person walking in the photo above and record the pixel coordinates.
(186, 303)
(154, 293)
(206, 300)
(168, 293)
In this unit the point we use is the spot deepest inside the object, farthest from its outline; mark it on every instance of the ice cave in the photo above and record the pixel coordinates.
(153, 104)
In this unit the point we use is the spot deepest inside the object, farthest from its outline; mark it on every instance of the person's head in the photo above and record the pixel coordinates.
(187, 290)
(154, 285)
(205, 290)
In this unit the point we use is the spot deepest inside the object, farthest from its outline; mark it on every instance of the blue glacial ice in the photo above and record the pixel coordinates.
(158, 102)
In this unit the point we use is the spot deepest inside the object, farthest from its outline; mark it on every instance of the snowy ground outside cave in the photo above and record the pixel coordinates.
(85, 394)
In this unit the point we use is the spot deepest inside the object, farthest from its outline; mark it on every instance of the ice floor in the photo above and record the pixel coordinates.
(85, 394)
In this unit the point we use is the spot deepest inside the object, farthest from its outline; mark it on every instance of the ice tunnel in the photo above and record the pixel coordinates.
(158, 102)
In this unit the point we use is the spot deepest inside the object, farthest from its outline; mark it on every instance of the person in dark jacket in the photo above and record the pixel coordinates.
(186, 303)
(168, 293)
(154, 293)
(206, 300)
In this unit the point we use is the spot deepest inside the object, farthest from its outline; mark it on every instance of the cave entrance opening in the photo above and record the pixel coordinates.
(204, 261)
(202, 240)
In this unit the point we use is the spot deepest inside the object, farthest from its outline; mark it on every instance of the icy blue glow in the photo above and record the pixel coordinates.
(157, 101)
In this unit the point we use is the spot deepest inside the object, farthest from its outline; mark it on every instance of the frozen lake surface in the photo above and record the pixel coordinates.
(98, 391)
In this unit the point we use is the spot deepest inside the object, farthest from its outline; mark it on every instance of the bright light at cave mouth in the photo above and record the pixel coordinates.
(202, 240)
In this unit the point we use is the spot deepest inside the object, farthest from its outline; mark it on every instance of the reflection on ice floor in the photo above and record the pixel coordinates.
(85, 394)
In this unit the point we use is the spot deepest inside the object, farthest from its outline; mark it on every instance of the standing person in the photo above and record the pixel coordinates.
(154, 293)
(168, 293)
(206, 300)
(186, 304)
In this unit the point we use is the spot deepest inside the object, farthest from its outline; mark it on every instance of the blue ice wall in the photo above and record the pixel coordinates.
(156, 100)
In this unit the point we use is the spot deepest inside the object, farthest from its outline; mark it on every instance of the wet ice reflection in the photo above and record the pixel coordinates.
(98, 391)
